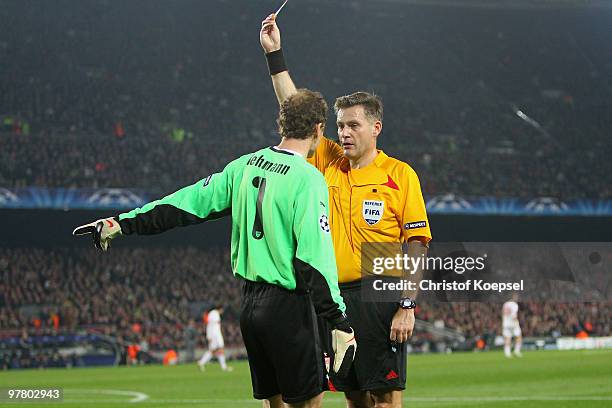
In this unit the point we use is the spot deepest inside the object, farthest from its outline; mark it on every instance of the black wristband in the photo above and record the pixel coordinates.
(341, 323)
(276, 62)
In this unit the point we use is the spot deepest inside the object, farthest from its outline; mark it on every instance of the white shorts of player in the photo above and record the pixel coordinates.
(512, 331)
(215, 342)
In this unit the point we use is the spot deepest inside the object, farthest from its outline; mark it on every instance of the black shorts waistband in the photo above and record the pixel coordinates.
(265, 289)
(354, 285)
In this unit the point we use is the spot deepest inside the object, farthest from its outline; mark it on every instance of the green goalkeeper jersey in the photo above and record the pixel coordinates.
(280, 227)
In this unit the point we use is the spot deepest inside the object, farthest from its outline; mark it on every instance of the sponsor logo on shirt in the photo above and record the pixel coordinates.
(207, 180)
(373, 211)
(413, 225)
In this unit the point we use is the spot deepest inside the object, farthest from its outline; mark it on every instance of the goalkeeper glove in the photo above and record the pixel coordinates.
(344, 346)
(102, 232)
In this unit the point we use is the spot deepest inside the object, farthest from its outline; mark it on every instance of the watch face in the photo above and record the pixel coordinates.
(407, 304)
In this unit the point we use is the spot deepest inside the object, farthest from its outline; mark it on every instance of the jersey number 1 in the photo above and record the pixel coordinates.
(260, 184)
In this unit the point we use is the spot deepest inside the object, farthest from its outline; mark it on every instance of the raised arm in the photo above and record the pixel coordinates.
(270, 40)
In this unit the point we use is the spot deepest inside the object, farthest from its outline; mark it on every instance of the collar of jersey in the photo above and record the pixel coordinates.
(285, 151)
(373, 173)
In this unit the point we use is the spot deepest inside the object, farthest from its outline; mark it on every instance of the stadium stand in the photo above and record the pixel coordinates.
(83, 107)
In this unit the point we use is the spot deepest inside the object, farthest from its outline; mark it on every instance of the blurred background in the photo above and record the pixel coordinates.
(502, 107)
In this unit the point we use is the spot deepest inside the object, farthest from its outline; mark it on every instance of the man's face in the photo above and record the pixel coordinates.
(356, 131)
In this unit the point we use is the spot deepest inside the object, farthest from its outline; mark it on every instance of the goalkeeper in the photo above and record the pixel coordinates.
(281, 248)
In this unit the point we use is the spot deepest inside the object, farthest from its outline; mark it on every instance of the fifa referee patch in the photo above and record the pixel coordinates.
(324, 223)
(373, 211)
(413, 225)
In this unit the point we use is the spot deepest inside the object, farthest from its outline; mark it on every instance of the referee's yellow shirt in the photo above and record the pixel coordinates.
(381, 202)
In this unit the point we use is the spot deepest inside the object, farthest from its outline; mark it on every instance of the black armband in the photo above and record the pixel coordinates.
(276, 62)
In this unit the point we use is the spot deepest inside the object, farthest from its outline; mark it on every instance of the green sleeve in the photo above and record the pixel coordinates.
(315, 262)
(209, 198)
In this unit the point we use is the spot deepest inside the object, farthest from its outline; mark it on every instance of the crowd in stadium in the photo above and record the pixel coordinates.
(538, 319)
(146, 297)
(71, 289)
(82, 107)
(42, 353)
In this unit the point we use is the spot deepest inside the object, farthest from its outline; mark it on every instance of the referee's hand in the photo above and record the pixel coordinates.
(402, 325)
(345, 347)
(269, 36)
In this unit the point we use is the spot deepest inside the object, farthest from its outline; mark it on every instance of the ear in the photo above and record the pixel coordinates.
(320, 128)
(377, 128)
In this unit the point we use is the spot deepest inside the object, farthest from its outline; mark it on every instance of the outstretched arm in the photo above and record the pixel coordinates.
(270, 40)
(208, 199)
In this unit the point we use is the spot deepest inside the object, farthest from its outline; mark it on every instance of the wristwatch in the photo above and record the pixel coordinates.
(407, 303)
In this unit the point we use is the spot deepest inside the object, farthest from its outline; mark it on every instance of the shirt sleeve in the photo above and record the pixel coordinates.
(326, 153)
(315, 262)
(414, 216)
(208, 199)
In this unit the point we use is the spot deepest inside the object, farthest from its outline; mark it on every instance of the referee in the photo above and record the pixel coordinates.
(374, 198)
(281, 248)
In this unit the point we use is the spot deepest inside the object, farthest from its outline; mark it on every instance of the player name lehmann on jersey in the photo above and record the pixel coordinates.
(262, 163)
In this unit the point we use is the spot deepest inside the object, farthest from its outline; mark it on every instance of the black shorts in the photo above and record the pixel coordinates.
(379, 364)
(282, 341)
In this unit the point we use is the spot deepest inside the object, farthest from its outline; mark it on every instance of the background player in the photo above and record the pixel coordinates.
(374, 198)
(214, 336)
(281, 249)
(511, 327)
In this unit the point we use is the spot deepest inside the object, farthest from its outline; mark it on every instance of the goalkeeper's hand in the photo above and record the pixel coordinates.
(344, 346)
(102, 231)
